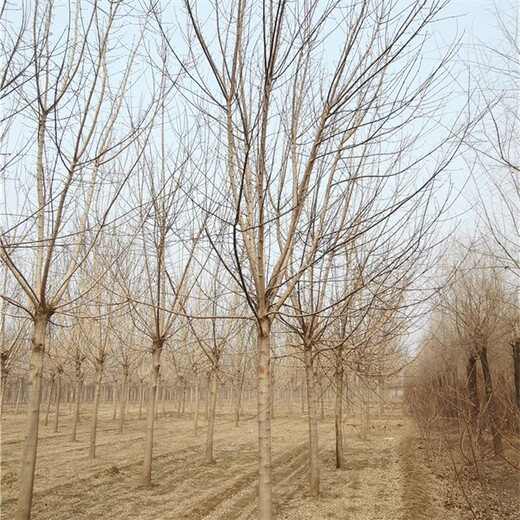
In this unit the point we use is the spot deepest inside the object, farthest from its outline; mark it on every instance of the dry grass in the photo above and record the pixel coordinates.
(384, 478)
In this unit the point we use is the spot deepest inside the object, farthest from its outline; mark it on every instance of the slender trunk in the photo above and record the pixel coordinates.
(79, 387)
(97, 395)
(49, 399)
(114, 401)
(158, 400)
(491, 404)
(338, 423)
(322, 402)
(471, 372)
(206, 408)
(265, 488)
(516, 370)
(150, 419)
(179, 401)
(314, 468)
(234, 392)
(208, 458)
(5, 373)
(290, 398)
(141, 397)
(124, 392)
(58, 398)
(240, 392)
(272, 389)
(164, 396)
(23, 511)
(380, 398)
(365, 410)
(18, 395)
(196, 410)
(77, 407)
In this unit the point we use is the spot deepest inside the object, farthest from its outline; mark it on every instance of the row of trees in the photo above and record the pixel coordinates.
(469, 370)
(180, 180)
(465, 383)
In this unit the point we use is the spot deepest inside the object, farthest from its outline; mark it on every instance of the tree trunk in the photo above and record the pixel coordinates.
(265, 491)
(58, 398)
(491, 404)
(196, 410)
(208, 458)
(18, 395)
(322, 402)
(516, 370)
(141, 397)
(23, 510)
(49, 399)
(338, 420)
(97, 394)
(114, 401)
(472, 383)
(314, 468)
(272, 364)
(79, 387)
(5, 373)
(365, 409)
(240, 391)
(380, 398)
(150, 418)
(77, 407)
(124, 392)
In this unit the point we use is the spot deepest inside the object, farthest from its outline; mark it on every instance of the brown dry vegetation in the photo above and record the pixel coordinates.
(386, 477)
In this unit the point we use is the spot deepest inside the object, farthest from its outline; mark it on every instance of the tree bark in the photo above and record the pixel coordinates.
(5, 373)
(23, 510)
(141, 397)
(365, 409)
(123, 399)
(314, 468)
(97, 393)
(49, 399)
(491, 404)
(290, 397)
(338, 420)
(240, 391)
(58, 398)
(196, 410)
(77, 404)
(208, 458)
(380, 397)
(18, 395)
(265, 492)
(472, 383)
(114, 401)
(150, 418)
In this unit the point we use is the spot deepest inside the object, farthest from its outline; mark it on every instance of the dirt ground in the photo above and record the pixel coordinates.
(385, 477)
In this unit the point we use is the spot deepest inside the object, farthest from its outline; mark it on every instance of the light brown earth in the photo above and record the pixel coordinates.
(385, 477)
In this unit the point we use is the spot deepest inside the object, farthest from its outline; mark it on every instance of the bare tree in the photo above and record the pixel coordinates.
(155, 277)
(279, 124)
(71, 110)
(495, 143)
(475, 303)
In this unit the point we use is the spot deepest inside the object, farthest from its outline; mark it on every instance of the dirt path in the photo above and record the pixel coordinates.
(384, 478)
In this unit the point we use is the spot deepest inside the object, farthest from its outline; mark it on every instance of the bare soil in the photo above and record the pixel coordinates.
(385, 478)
